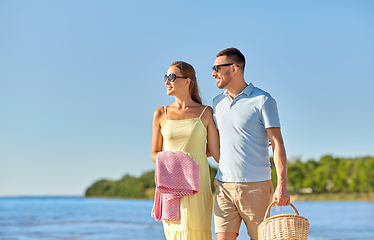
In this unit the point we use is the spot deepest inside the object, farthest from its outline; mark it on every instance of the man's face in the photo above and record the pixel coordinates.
(223, 75)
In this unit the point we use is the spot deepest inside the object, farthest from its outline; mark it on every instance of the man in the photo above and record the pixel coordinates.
(247, 119)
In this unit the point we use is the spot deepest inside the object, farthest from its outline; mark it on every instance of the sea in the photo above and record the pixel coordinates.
(79, 218)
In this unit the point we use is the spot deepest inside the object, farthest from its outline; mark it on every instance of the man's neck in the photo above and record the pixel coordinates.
(234, 90)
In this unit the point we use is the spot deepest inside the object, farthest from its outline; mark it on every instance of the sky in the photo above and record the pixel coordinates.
(80, 80)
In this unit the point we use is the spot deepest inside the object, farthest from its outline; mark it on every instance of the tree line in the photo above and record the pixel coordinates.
(327, 175)
(331, 175)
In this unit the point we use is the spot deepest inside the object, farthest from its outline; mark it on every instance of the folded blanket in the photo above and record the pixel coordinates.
(176, 175)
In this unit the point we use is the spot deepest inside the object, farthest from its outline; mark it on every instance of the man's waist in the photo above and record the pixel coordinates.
(238, 175)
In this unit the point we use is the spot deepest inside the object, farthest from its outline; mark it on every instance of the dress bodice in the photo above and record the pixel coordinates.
(187, 135)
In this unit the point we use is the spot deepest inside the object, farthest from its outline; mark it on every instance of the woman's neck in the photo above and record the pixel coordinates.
(184, 102)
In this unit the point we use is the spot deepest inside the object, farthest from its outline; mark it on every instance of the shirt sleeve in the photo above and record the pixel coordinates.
(214, 111)
(269, 112)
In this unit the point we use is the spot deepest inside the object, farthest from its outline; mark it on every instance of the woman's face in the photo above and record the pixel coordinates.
(179, 84)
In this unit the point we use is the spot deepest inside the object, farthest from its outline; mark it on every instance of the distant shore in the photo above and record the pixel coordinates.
(359, 197)
(362, 197)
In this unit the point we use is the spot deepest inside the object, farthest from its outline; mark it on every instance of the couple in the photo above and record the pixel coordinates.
(247, 119)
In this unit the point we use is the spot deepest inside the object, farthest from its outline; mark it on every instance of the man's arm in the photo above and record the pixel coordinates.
(281, 195)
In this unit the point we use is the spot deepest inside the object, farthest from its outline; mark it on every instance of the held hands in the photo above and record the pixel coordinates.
(281, 196)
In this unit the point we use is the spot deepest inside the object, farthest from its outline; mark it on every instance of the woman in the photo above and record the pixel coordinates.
(187, 126)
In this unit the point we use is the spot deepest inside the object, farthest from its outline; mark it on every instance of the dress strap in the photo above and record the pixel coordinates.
(203, 112)
(166, 116)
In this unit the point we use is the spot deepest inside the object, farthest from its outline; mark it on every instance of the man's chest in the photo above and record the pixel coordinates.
(240, 114)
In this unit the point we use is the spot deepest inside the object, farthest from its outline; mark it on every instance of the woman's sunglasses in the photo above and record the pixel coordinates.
(171, 77)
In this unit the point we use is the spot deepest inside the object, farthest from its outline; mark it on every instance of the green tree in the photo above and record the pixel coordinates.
(310, 166)
(362, 175)
(212, 173)
(323, 175)
(99, 188)
(329, 174)
(296, 173)
(369, 179)
(341, 178)
(130, 187)
(148, 179)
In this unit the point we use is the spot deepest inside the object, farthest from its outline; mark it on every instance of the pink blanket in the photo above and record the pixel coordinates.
(176, 175)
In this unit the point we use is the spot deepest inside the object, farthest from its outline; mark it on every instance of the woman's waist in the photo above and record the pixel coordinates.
(186, 151)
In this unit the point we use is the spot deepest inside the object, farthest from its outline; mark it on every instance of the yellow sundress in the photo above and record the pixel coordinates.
(189, 136)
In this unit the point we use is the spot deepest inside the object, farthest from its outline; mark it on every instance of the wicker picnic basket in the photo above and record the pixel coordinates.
(283, 226)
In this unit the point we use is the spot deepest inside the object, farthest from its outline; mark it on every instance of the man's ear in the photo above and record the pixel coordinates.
(235, 69)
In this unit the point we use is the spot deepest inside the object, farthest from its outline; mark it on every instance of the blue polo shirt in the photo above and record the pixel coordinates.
(242, 124)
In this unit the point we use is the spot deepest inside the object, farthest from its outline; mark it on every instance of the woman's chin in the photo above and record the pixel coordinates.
(169, 93)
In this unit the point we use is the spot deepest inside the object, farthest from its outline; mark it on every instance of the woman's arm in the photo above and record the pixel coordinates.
(156, 133)
(213, 136)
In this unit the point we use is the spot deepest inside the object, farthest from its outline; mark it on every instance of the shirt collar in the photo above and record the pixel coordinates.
(247, 91)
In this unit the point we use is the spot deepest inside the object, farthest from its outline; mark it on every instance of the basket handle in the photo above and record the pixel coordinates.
(267, 214)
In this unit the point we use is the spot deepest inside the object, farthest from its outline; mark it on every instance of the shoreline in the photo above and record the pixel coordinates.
(325, 197)
(356, 197)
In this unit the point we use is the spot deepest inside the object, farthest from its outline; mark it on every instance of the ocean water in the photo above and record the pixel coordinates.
(76, 218)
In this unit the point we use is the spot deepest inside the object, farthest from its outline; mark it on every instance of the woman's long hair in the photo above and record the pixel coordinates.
(188, 71)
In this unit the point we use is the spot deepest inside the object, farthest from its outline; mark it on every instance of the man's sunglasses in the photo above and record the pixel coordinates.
(171, 77)
(215, 67)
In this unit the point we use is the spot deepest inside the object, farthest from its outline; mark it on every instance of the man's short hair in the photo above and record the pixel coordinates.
(233, 54)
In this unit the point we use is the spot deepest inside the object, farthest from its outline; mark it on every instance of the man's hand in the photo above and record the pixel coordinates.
(281, 196)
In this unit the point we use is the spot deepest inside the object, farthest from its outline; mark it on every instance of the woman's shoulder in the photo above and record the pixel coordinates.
(159, 112)
(208, 111)
(207, 108)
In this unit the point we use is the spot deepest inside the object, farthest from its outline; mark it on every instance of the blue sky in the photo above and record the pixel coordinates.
(80, 80)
